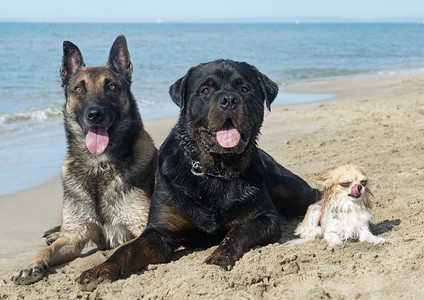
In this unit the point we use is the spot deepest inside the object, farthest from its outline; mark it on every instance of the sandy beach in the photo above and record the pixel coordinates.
(376, 122)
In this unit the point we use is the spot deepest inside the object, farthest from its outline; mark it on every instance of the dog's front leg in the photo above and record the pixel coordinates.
(262, 230)
(365, 235)
(149, 248)
(62, 250)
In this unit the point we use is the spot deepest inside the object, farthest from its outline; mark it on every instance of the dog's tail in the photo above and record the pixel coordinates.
(296, 242)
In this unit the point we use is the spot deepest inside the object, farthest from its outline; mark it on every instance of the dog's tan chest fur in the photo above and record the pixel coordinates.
(119, 216)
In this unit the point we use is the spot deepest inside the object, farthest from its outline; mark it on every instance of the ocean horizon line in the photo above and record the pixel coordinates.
(259, 20)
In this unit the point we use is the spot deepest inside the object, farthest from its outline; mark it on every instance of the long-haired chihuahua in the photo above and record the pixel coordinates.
(344, 211)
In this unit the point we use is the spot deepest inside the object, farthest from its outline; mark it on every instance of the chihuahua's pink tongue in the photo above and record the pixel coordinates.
(96, 139)
(355, 190)
(228, 137)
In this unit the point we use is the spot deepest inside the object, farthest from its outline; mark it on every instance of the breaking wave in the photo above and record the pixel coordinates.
(31, 115)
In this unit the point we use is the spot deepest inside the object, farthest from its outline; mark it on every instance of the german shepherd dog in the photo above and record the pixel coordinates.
(108, 172)
(213, 185)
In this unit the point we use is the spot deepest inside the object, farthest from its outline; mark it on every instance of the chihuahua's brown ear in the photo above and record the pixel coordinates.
(323, 178)
(367, 200)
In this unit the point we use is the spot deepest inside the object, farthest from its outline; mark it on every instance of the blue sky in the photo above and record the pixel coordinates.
(195, 10)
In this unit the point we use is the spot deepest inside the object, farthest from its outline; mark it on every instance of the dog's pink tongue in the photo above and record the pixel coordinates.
(354, 191)
(228, 137)
(97, 139)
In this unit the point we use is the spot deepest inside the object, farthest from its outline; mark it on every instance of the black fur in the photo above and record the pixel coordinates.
(208, 193)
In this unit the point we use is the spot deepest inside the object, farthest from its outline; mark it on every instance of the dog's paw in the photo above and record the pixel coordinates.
(376, 240)
(222, 259)
(29, 274)
(105, 272)
(51, 238)
(332, 239)
(52, 235)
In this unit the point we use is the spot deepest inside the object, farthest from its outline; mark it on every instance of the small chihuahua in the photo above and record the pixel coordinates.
(344, 212)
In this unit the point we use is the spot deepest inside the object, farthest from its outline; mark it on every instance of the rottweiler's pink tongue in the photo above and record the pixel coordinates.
(97, 139)
(228, 137)
(354, 191)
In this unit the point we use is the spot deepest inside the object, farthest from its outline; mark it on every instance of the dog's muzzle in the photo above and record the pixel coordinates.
(355, 191)
(228, 101)
(97, 136)
(94, 115)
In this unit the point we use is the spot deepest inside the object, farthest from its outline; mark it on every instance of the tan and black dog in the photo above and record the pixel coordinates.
(108, 172)
(213, 185)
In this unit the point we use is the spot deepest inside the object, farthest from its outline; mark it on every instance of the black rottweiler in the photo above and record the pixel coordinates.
(213, 185)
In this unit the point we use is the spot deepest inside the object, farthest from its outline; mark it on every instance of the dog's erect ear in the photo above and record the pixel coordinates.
(72, 60)
(269, 88)
(119, 58)
(178, 90)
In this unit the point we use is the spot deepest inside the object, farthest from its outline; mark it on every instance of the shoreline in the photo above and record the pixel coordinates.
(376, 122)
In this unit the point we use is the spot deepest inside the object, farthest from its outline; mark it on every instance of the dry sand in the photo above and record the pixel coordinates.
(376, 122)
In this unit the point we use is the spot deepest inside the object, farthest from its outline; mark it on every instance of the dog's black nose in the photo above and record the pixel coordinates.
(228, 100)
(360, 187)
(94, 114)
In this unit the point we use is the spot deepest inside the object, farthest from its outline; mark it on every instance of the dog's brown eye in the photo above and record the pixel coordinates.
(112, 87)
(244, 89)
(345, 184)
(78, 89)
(364, 182)
(205, 91)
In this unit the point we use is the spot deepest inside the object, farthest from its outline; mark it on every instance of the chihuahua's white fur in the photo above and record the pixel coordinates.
(339, 216)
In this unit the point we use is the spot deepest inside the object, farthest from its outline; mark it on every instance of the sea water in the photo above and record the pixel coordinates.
(32, 138)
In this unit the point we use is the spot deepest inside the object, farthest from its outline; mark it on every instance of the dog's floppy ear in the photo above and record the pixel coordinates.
(269, 88)
(178, 90)
(119, 58)
(71, 61)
